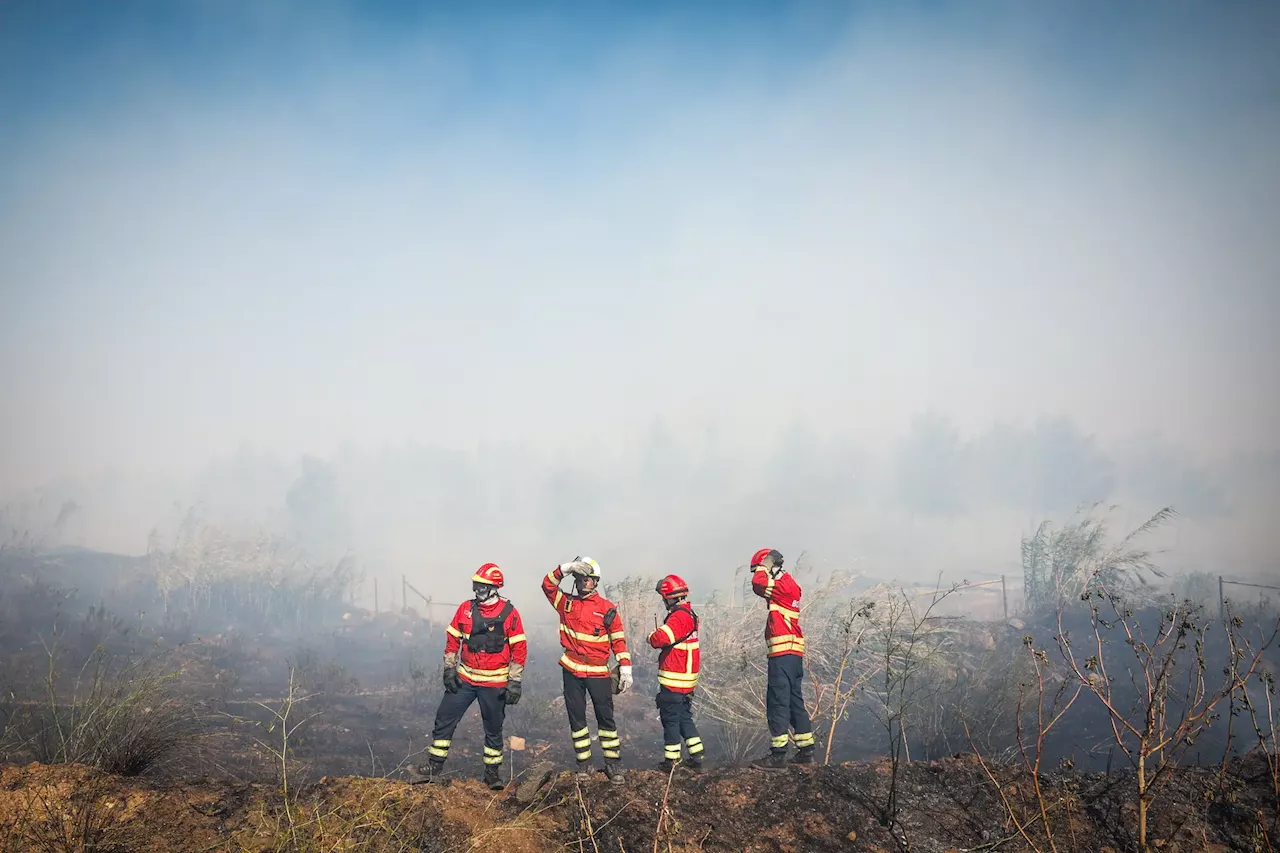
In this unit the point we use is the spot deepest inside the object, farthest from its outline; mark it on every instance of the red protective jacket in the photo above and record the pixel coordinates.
(482, 668)
(782, 629)
(679, 660)
(590, 628)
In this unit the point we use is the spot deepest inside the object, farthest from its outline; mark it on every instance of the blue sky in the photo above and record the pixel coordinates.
(299, 224)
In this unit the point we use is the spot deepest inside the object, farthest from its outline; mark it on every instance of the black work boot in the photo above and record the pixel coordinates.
(584, 771)
(666, 765)
(493, 777)
(772, 761)
(694, 763)
(613, 769)
(803, 756)
(430, 772)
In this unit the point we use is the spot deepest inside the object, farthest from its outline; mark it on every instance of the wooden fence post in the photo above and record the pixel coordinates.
(1004, 593)
(375, 595)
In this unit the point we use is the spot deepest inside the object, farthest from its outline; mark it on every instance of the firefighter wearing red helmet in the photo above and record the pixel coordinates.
(784, 700)
(678, 663)
(484, 658)
(590, 628)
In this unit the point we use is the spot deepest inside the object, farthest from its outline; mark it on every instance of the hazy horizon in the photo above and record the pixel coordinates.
(889, 283)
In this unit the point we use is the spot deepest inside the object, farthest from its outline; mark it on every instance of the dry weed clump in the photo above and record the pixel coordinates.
(120, 714)
(210, 575)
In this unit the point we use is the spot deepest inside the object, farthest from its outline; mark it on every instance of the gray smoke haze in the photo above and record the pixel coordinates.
(893, 306)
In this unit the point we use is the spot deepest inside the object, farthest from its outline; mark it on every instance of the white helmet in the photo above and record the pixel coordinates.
(587, 567)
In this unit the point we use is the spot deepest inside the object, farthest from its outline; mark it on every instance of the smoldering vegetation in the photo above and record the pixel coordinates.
(225, 657)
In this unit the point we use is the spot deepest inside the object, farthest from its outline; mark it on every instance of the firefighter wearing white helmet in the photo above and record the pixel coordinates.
(590, 629)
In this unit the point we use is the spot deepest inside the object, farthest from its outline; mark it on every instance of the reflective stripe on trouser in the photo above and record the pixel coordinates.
(493, 711)
(576, 690)
(675, 710)
(785, 703)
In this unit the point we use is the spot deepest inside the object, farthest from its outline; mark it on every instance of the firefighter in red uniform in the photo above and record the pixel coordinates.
(678, 663)
(785, 697)
(490, 636)
(590, 628)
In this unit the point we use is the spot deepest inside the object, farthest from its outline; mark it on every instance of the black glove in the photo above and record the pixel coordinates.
(512, 693)
(451, 679)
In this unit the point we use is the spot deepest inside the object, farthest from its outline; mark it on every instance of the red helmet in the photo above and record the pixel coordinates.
(488, 573)
(766, 554)
(672, 586)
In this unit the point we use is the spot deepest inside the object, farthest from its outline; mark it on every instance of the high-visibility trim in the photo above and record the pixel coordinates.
(671, 752)
(804, 739)
(455, 632)
(623, 656)
(611, 753)
(582, 743)
(677, 679)
(484, 676)
(502, 670)
(785, 611)
(585, 669)
(768, 586)
(779, 742)
(678, 673)
(671, 635)
(617, 635)
(493, 759)
(518, 638)
(583, 756)
(582, 732)
(438, 752)
(785, 644)
(586, 638)
(686, 646)
(694, 744)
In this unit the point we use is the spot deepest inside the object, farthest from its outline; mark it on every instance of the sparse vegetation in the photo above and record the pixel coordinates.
(119, 714)
(880, 659)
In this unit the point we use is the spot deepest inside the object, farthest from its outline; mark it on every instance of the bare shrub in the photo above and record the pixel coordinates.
(1173, 698)
(910, 647)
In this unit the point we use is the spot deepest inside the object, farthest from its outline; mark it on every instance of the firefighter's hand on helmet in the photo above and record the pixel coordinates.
(573, 567)
(512, 694)
(624, 678)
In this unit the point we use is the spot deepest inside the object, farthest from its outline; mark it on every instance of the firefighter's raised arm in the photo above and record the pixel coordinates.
(551, 587)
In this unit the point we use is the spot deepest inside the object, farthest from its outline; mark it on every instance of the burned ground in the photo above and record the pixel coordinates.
(947, 805)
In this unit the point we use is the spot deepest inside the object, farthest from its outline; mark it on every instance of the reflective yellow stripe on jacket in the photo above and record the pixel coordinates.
(582, 668)
(484, 676)
(793, 615)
